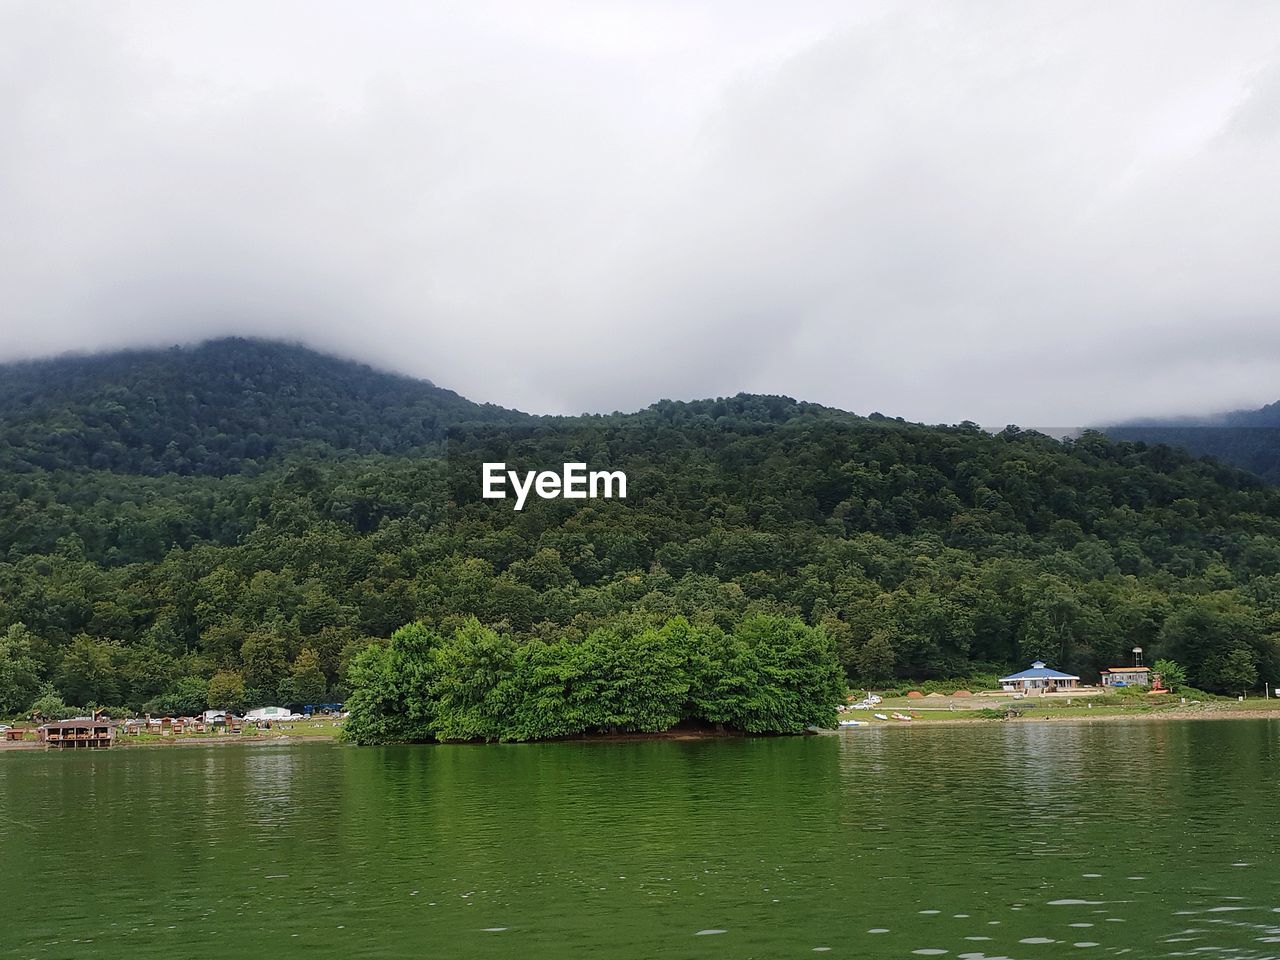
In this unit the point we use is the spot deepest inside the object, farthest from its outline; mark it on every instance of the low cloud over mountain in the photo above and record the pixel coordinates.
(1048, 214)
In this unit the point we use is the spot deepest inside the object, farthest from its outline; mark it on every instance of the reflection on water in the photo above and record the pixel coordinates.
(980, 842)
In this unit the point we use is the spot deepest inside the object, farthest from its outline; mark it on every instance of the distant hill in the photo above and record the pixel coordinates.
(224, 407)
(1249, 439)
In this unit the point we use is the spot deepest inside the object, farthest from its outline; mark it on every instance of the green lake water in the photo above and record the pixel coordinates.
(1000, 840)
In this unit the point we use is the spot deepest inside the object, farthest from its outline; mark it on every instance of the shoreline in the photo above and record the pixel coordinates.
(1225, 712)
(1179, 714)
(168, 742)
(221, 741)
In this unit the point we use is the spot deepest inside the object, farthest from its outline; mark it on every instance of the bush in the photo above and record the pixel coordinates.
(1131, 693)
(1191, 693)
(974, 682)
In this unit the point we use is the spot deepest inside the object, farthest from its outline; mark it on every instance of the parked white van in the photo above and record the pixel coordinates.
(268, 713)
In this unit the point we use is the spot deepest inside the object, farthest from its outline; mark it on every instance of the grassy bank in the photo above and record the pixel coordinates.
(1102, 707)
(305, 729)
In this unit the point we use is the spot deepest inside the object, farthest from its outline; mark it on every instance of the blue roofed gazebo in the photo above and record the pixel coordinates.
(1040, 679)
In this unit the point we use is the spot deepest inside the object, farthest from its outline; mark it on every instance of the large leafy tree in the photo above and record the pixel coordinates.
(265, 662)
(226, 691)
(874, 660)
(472, 684)
(90, 672)
(306, 682)
(391, 689)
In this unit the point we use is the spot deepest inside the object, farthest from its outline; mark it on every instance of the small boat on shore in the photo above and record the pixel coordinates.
(853, 723)
(901, 716)
(881, 716)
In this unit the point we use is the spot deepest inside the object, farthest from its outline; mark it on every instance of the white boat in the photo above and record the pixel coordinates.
(881, 716)
(853, 723)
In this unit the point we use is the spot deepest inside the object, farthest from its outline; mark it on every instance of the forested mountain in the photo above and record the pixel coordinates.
(226, 406)
(1249, 439)
(135, 578)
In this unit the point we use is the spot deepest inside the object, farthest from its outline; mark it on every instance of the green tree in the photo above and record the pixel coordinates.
(226, 691)
(1057, 621)
(391, 689)
(472, 684)
(874, 659)
(264, 662)
(633, 681)
(19, 672)
(800, 681)
(1173, 675)
(723, 677)
(185, 698)
(49, 706)
(145, 672)
(89, 673)
(1234, 671)
(306, 683)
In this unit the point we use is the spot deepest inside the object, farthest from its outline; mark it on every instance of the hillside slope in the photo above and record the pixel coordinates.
(922, 551)
(223, 407)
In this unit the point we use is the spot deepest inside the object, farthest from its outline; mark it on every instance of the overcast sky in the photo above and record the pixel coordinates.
(1041, 213)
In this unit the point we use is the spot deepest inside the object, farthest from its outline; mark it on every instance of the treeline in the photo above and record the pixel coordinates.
(768, 675)
(921, 552)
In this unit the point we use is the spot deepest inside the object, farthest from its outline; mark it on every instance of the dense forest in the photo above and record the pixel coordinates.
(239, 523)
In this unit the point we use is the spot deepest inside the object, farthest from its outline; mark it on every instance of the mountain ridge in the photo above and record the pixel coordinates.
(220, 407)
(1248, 439)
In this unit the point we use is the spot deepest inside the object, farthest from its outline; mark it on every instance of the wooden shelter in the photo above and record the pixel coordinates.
(76, 734)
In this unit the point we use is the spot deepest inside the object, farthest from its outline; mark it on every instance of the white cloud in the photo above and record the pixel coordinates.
(1047, 213)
